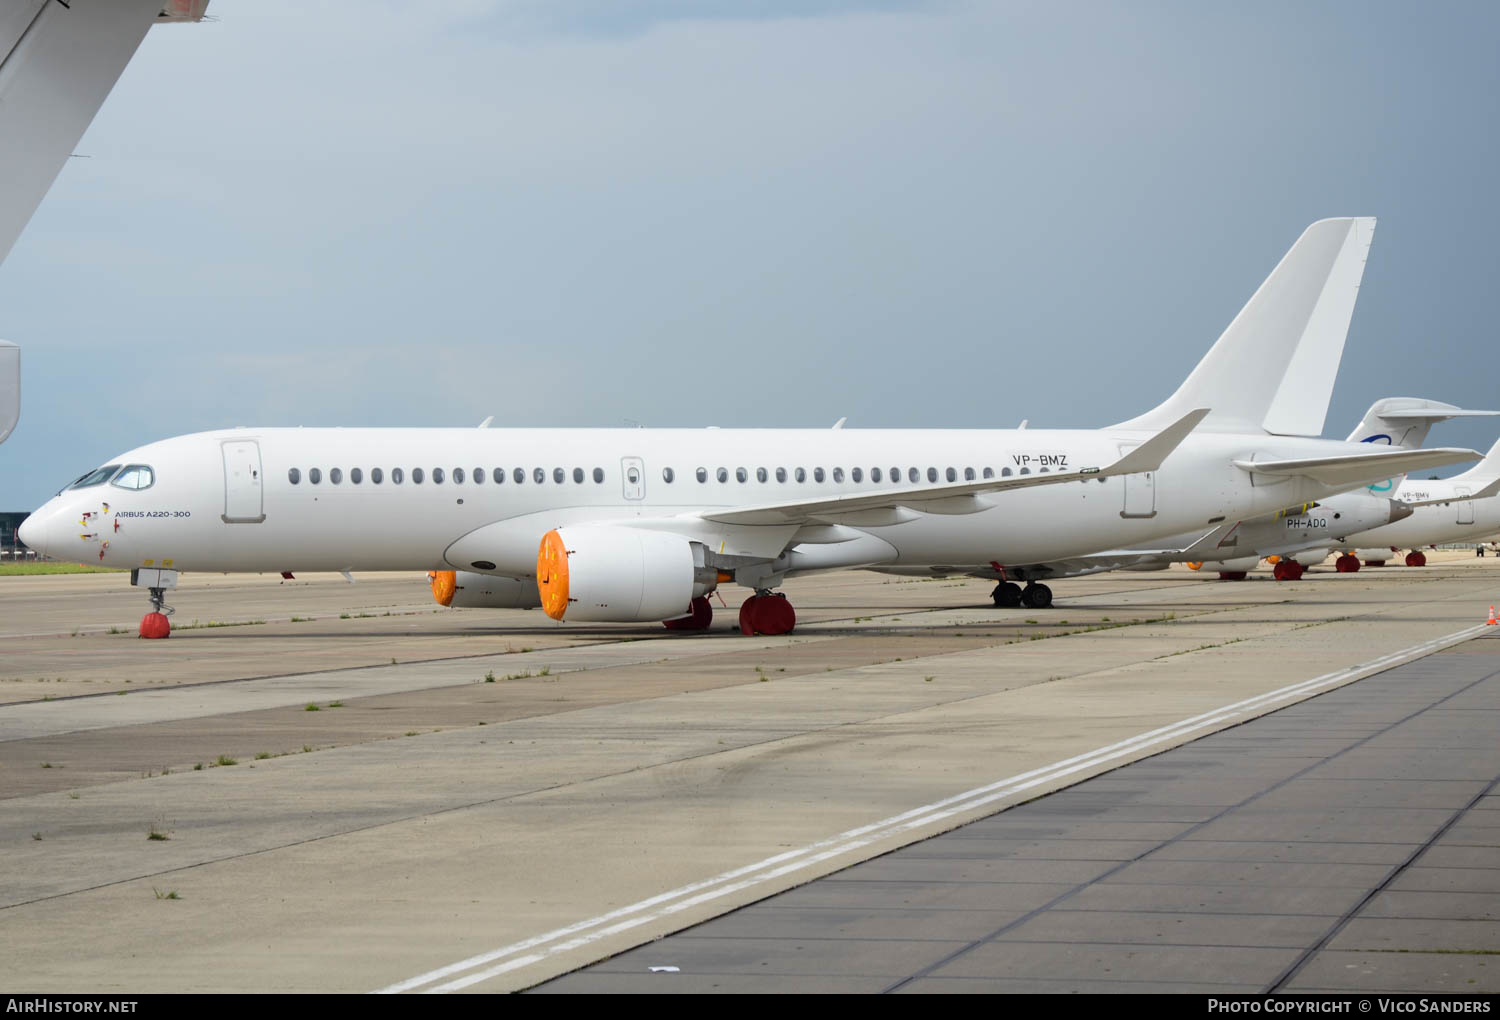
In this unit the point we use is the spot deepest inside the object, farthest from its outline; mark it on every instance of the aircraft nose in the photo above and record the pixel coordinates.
(30, 534)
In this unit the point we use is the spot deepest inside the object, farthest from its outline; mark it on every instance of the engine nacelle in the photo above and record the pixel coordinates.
(1308, 557)
(463, 589)
(1242, 563)
(604, 573)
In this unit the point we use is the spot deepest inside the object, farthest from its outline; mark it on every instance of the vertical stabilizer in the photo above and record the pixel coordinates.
(1273, 369)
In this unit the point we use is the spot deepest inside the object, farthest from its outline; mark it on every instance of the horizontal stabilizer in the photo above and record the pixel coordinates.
(1405, 421)
(1351, 470)
(959, 498)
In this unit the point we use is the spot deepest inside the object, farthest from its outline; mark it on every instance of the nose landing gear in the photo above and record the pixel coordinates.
(155, 624)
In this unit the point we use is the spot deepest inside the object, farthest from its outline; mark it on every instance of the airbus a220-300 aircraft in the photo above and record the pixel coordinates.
(640, 525)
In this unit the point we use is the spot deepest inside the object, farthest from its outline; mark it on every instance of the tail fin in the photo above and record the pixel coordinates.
(1273, 369)
(1405, 421)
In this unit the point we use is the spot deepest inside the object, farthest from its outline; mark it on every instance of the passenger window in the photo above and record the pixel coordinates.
(437, 476)
(932, 474)
(874, 474)
(801, 475)
(703, 474)
(519, 474)
(538, 475)
(598, 475)
(968, 474)
(913, 474)
(335, 475)
(356, 475)
(1026, 471)
(667, 475)
(781, 475)
(838, 474)
(857, 475)
(818, 475)
(559, 475)
(397, 476)
(294, 476)
(1005, 472)
(458, 476)
(578, 476)
(722, 474)
(478, 476)
(377, 476)
(952, 475)
(498, 474)
(314, 475)
(740, 475)
(760, 474)
(416, 476)
(989, 472)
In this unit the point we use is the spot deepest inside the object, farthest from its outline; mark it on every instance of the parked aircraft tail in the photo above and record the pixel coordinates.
(1405, 421)
(1273, 369)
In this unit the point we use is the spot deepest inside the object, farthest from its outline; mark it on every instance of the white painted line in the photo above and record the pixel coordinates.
(540, 947)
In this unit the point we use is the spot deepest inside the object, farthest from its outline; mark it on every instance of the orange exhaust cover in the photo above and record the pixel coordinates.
(552, 575)
(444, 584)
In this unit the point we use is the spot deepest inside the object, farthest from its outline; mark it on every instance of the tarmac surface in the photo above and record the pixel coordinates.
(484, 800)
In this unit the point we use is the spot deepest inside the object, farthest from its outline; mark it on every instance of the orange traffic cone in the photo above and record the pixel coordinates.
(1491, 622)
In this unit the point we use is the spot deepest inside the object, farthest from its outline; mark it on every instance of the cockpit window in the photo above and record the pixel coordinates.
(135, 476)
(97, 477)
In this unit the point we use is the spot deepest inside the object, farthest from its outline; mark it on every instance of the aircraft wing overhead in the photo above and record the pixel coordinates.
(1355, 469)
(959, 498)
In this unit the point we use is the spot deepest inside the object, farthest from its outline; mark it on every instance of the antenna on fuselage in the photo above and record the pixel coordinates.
(486, 423)
(840, 423)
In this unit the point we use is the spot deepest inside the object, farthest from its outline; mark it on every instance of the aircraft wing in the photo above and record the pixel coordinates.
(1492, 489)
(1356, 469)
(887, 506)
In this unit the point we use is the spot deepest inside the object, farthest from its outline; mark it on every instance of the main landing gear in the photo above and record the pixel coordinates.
(155, 624)
(700, 615)
(1009, 595)
(767, 612)
(1347, 564)
(1416, 559)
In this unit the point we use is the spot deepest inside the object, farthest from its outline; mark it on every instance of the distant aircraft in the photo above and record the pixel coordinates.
(641, 524)
(1457, 509)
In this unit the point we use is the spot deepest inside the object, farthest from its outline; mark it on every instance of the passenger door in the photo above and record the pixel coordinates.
(243, 499)
(633, 477)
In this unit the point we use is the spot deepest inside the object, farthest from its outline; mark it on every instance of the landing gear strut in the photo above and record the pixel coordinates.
(1007, 595)
(700, 615)
(154, 624)
(767, 612)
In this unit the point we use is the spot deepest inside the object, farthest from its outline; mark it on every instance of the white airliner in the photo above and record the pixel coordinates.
(638, 525)
(1458, 509)
(1303, 536)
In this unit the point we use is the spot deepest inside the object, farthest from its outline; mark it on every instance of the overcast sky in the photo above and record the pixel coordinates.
(753, 213)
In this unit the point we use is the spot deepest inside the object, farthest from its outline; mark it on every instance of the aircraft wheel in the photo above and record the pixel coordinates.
(767, 614)
(1374, 563)
(155, 625)
(700, 616)
(1037, 596)
(1295, 570)
(1416, 559)
(1232, 575)
(1346, 564)
(1007, 595)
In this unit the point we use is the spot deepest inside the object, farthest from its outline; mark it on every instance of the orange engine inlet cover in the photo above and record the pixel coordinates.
(552, 575)
(444, 584)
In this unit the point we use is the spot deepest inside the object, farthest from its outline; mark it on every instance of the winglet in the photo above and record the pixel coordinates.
(1150, 454)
